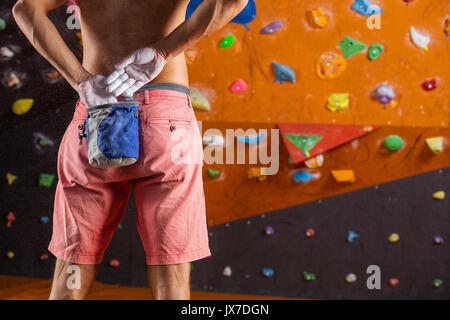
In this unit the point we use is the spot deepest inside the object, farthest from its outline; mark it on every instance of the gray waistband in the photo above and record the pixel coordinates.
(164, 86)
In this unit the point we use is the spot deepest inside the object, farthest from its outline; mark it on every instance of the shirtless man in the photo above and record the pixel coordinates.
(126, 44)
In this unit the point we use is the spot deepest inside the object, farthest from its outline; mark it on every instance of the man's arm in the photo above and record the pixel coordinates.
(209, 17)
(31, 17)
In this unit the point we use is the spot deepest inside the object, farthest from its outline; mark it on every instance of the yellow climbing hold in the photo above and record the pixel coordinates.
(338, 102)
(315, 162)
(439, 195)
(10, 178)
(199, 101)
(256, 173)
(10, 254)
(436, 144)
(344, 175)
(22, 106)
(394, 237)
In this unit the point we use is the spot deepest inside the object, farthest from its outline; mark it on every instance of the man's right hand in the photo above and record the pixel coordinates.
(92, 91)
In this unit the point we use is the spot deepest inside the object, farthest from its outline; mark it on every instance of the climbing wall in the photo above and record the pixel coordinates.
(359, 117)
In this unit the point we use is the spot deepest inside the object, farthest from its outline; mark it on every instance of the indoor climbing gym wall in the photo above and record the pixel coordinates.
(350, 101)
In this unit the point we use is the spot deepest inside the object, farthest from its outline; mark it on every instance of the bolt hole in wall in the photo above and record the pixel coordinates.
(357, 92)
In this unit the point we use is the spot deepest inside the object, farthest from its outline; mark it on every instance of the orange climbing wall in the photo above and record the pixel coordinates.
(297, 44)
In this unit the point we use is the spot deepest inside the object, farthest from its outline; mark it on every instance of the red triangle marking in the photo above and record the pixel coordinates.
(334, 135)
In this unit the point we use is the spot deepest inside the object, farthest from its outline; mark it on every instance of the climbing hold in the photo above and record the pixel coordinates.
(44, 219)
(317, 18)
(268, 231)
(393, 282)
(447, 27)
(439, 195)
(11, 80)
(256, 173)
(43, 142)
(351, 278)
(368, 129)
(436, 144)
(2, 24)
(304, 142)
(114, 263)
(419, 39)
(252, 140)
(227, 271)
(10, 178)
(338, 102)
(247, 15)
(384, 94)
(238, 86)
(309, 233)
(271, 28)
(352, 236)
(267, 272)
(215, 141)
(437, 283)
(10, 218)
(315, 162)
(43, 257)
(10, 254)
(365, 7)
(22, 106)
(394, 237)
(375, 51)
(80, 38)
(309, 276)
(302, 176)
(227, 42)
(46, 180)
(393, 143)
(344, 175)
(5, 52)
(283, 73)
(213, 173)
(350, 47)
(438, 240)
(120, 226)
(429, 85)
(199, 101)
(330, 65)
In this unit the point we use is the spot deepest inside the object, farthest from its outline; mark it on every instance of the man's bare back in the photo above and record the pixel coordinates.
(112, 29)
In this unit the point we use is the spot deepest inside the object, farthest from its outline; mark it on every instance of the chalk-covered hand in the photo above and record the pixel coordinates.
(92, 91)
(134, 71)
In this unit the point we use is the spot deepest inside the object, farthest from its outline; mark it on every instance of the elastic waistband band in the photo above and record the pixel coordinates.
(164, 86)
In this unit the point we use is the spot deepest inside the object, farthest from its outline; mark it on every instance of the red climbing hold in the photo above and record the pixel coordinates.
(114, 263)
(238, 86)
(429, 85)
(10, 218)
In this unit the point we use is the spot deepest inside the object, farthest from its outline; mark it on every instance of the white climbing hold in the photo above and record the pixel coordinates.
(419, 39)
(227, 271)
(350, 278)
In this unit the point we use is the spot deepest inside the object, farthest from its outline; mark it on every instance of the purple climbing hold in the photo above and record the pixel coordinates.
(271, 28)
(268, 231)
(438, 240)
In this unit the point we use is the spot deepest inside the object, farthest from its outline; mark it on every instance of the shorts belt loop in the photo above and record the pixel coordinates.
(146, 97)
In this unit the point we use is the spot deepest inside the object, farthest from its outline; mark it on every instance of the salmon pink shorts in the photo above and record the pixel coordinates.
(167, 186)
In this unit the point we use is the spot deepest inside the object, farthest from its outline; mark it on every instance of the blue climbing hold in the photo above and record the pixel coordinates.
(267, 272)
(366, 8)
(351, 236)
(252, 140)
(247, 15)
(44, 219)
(283, 73)
(302, 176)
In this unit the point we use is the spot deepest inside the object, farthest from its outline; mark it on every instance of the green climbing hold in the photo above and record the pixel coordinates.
(120, 226)
(213, 173)
(351, 47)
(393, 143)
(2, 24)
(437, 283)
(226, 42)
(46, 180)
(43, 142)
(375, 51)
(309, 276)
(303, 142)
